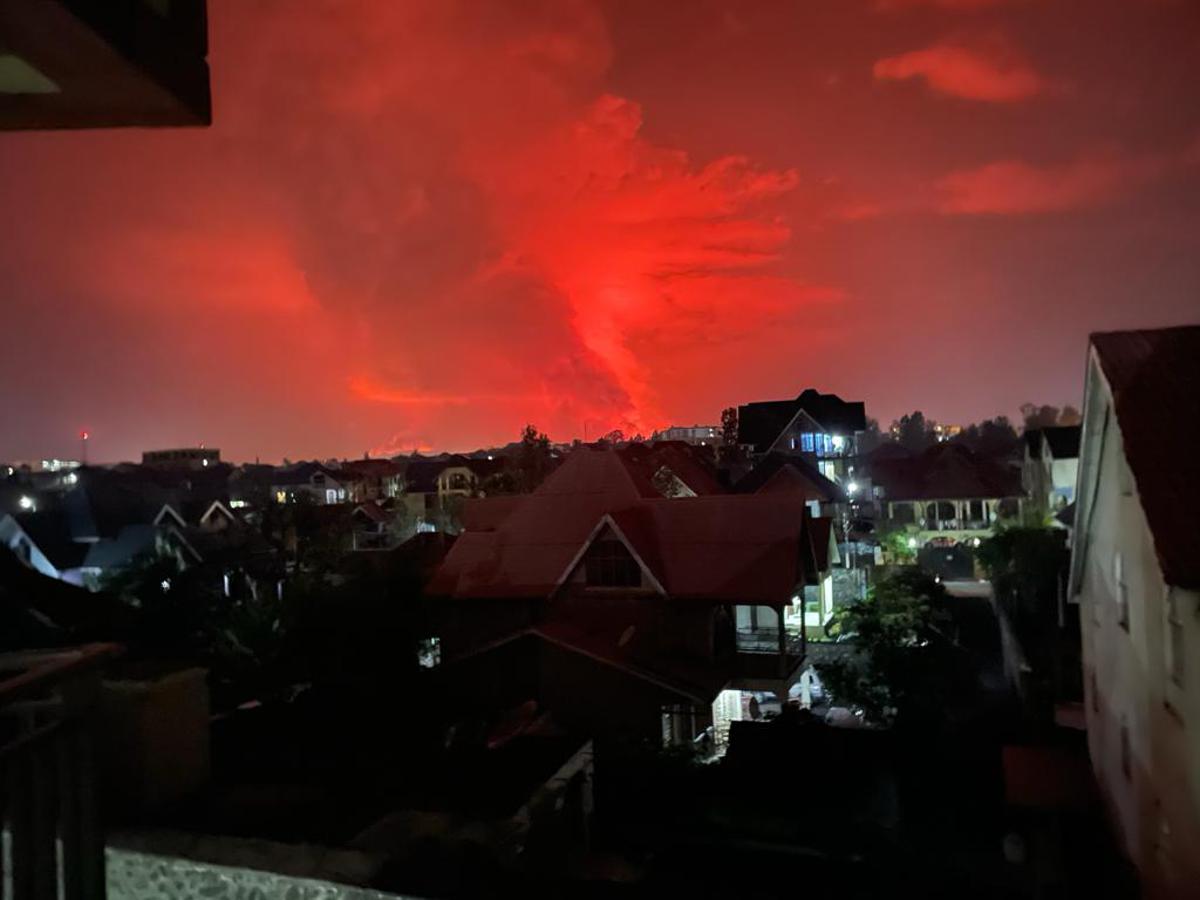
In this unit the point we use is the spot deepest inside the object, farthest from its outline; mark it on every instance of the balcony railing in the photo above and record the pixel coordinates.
(766, 640)
(51, 823)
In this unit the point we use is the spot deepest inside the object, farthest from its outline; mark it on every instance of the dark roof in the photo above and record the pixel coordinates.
(36, 611)
(302, 473)
(1155, 381)
(422, 474)
(682, 460)
(373, 512)
(946, 471)
(736, 548)
(1063, 440)
(760, 424)
(784, 472)
(50, 532)
(373, 468)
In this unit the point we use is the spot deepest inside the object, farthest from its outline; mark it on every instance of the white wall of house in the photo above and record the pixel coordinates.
(1063, 475)
(1143, 716)
(15, 538)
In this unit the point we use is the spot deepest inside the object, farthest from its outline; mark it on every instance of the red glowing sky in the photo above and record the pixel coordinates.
(424, 224)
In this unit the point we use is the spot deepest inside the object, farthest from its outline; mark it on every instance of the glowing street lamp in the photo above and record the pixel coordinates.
(912, 543)
(26, 503)
(852, 487)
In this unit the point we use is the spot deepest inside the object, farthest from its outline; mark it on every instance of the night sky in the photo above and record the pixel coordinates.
(425, 224)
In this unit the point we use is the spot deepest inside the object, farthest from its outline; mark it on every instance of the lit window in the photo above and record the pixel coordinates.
(281, 496)
(806, 443)
(610, 564)
(330, 495)
(1175, 653)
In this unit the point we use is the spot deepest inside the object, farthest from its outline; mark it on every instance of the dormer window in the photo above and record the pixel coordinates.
(609, 563)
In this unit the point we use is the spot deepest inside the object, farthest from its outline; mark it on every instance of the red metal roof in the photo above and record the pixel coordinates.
(1155, 381)
(948, 471)
(722, 547)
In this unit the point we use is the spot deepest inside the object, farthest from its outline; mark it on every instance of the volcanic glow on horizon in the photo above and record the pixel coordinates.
(424, 224)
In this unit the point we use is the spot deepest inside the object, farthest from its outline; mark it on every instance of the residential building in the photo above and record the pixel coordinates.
(823, 425)
(318, 482)
(779, 472)
(372, 479)
(439, 486)
(1135, 572)
(80, 537)
(182, 458)
(946, 494)
(632, 610)
(1051, 465)
(701, 435)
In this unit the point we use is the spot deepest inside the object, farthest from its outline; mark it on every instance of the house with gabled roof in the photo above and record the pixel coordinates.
(946, 494)
(1135, 573)
(320, 483)
(666, 600)
(823, 425)
(1051, 465)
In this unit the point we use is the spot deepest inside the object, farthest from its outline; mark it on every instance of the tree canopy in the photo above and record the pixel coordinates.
(906, 666)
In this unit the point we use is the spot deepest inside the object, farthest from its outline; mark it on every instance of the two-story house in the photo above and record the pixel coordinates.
(947, 494)
(320, 483)
(624, 609)
(1051, 465)
(822, 425)
(1135, 573)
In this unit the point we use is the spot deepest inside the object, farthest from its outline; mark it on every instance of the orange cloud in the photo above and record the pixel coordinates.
(1014, 187)
(960, 5)
(994, 73)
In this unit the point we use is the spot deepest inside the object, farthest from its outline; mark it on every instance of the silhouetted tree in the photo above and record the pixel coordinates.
(533, 459)
(616, 436)
(871, 438)
(730, 451)
(906, 664)
(992, 437)
(914, 431)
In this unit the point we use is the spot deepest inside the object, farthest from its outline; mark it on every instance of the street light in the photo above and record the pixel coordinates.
(912, 543)
(852, 487)
(25, 502)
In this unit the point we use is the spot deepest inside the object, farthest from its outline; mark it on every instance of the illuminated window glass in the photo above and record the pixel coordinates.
(807, 443)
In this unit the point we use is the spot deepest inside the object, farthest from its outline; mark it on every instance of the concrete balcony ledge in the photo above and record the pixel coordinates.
(157, 865)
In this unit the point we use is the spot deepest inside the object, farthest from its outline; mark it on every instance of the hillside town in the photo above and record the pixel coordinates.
(599, 449)
(555, 664)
